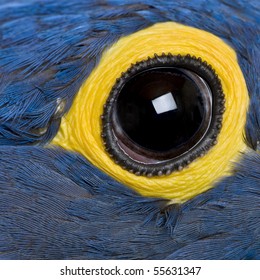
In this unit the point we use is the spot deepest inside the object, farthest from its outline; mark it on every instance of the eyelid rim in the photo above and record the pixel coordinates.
(207, 141)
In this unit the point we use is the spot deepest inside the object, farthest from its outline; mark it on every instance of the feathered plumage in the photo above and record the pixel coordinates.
(54, 204)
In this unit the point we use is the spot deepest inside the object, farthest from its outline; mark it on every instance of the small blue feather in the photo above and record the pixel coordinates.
(56, 205)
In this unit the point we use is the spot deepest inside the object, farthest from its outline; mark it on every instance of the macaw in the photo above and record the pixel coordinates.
(58, 203)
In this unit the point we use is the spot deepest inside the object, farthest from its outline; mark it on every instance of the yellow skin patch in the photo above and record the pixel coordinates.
(80, 129)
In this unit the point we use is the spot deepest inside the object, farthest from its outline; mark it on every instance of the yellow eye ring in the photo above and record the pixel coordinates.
(81, 128)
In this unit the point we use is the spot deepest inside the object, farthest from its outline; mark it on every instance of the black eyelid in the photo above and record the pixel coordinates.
(165, 167)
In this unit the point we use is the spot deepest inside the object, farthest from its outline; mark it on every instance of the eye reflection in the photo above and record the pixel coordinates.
(162, 114)
(164, 103)
(161, 110)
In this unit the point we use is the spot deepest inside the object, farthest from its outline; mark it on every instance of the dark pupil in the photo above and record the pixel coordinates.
(163, 110)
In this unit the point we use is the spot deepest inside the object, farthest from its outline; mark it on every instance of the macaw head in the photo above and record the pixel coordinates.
(129, 130)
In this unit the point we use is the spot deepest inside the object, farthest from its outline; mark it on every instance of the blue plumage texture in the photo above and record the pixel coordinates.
(54, 204)
(86, 214)
(49, 48)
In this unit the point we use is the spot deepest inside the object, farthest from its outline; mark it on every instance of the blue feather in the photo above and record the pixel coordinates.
(58, 206)
(53, 203)
(48, 49)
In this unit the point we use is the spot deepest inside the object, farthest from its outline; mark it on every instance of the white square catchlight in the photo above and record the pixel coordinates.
(164, 103)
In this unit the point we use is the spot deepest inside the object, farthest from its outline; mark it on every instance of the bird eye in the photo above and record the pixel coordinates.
(163, 112)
